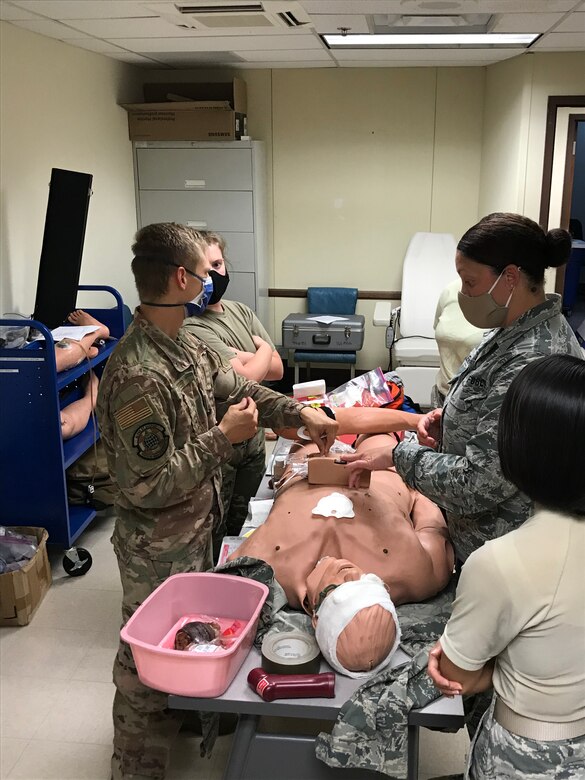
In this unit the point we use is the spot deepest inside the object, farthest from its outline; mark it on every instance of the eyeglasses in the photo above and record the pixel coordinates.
(202, 279)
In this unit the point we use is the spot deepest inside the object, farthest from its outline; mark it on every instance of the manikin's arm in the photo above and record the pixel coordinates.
(75, 416)
(356, 419)
(433, 536)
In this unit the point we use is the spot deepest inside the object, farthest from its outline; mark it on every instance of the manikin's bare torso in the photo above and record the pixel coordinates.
(384, 537)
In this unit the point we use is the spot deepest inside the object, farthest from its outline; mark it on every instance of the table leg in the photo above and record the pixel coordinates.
(245, 733)
(413, 736)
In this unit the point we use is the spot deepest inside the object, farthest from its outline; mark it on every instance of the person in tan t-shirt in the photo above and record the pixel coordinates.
(234, 332)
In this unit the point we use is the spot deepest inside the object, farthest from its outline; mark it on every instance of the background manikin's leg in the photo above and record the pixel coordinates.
(73, 352)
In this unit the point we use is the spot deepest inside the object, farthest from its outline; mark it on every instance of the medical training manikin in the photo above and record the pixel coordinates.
(348, 557)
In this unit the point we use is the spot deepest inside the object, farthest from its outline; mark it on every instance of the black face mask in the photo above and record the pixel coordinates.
(220, 283)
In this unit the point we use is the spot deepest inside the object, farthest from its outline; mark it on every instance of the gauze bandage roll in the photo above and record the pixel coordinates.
(341, 606)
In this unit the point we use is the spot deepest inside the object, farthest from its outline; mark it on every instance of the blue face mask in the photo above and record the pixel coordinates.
(197, 306)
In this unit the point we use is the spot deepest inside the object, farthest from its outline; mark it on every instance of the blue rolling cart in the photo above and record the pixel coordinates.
(33, 455)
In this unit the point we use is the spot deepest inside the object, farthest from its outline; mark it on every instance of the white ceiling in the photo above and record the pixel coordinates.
(156, 35)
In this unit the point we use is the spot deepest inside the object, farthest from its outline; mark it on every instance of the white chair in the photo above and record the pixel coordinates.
(429, 265)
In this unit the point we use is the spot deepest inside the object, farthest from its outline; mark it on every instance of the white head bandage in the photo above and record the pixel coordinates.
(339, 609)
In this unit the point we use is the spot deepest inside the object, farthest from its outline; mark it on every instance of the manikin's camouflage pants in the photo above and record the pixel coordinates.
(240, 480)
(143, 726)
(497, 753)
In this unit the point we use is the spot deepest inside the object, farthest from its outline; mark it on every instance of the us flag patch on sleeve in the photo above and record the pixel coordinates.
(134, 412)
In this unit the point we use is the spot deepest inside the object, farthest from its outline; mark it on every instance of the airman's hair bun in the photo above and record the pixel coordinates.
(559, 247)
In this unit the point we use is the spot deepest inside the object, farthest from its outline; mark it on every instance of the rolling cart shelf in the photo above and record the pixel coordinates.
(33, 455)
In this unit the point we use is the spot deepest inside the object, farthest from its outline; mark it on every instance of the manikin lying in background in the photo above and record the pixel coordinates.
(348, 572)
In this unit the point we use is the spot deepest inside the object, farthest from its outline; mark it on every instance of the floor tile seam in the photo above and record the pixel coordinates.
(60, 699)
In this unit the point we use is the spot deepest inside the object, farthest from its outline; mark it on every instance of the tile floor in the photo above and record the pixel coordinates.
(56, 690)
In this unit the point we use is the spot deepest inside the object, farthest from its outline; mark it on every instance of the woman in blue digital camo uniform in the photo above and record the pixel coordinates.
(156, 407)
(501, 262)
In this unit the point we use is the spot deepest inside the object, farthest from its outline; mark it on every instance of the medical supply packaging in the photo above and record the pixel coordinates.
(22, 591)
(323, 334)
(186, 673)
(189, 112)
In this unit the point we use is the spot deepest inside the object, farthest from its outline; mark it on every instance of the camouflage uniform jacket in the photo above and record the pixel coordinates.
(465, 477)
(157, 412)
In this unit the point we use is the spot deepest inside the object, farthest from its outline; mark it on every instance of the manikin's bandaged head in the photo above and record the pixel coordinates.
(355, 621)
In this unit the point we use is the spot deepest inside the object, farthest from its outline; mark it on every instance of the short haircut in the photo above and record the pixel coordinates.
(211, 237)
(159, 247)
(501, 239)
(542, 430)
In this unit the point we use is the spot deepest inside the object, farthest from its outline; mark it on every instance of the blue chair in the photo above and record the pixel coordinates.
(335, 301)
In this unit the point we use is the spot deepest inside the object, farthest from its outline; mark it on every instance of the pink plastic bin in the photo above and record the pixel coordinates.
(192, 674)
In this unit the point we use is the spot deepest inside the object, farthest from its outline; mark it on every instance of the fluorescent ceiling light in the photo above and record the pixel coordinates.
(432, 39)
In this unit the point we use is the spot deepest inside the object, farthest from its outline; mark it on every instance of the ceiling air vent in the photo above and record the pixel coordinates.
(227, 8)
(289, 19)
(229, 17)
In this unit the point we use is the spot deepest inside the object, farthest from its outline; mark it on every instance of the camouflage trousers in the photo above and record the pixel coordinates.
(497, 753)
(144, 727)
(240, 480)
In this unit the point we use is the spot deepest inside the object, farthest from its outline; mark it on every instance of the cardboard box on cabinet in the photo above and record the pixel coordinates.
(189, 112)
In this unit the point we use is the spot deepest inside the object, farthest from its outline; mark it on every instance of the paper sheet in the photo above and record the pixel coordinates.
(73, 332)
(327, 319)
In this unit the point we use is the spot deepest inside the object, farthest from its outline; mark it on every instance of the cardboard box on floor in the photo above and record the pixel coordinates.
(189, 112)
(22, 591)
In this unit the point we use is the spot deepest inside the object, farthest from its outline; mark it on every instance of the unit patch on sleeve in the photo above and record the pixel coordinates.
(134, 412)
(151, 441)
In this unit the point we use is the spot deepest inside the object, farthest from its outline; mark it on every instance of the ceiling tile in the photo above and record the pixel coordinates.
(330, 23)
(430, 56)
(50, 29)
(558, 41)
(130, 28)
(96, 45)
(573, 23)
(11, 13)
(435, 6)
(196, 59)
(136, 59)
(528, 23)
(282, 65)
(227, 43)
(86, 9)
(290, 55)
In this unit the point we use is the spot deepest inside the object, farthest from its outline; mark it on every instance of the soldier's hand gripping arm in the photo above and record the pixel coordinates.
(274, 409)
(240, 422)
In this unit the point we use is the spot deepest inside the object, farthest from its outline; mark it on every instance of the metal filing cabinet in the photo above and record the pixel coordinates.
(211, 186)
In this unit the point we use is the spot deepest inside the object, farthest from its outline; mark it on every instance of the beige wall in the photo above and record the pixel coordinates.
(363, 159)
(516, 98)
(553, 74)
(59, 110)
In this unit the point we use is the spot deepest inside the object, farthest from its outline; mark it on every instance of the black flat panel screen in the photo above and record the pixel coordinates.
(69, 194)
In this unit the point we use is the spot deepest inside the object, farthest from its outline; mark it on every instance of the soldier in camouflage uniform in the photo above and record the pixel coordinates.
(234, 332)
(157, 412)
